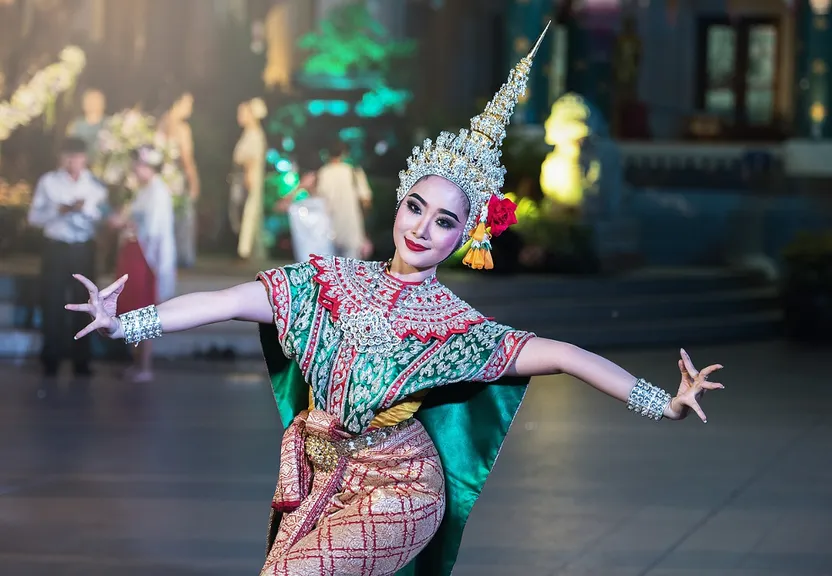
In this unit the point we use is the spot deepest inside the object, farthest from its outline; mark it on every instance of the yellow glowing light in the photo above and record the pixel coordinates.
(562, 177)
(817, 112)
(527, 209)
(820, 7)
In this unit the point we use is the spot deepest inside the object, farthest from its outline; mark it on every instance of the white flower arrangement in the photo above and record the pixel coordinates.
(34, 98)
(130, 130)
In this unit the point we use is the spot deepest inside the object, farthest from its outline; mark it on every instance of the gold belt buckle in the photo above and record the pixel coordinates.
(321, 453)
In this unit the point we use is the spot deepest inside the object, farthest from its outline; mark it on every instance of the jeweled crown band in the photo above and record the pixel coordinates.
(141, 324)
(648, 400)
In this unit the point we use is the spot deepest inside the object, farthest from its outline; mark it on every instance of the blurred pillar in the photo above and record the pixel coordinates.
(526, 20)
(813, 61)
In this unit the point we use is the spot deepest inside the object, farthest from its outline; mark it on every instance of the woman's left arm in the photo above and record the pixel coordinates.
(541, 356)
(249, 167)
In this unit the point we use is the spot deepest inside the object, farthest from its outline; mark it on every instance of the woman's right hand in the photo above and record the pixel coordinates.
(119, 220)
(101, 306)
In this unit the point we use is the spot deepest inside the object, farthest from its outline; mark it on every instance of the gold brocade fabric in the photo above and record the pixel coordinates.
(396, 414)
(370, 515)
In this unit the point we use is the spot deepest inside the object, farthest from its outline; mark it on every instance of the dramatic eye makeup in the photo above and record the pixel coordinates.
(415, 203)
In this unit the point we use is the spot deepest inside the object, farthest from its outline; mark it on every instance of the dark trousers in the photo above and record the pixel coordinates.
(58, 263)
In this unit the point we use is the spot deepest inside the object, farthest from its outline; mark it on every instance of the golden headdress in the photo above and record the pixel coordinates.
(471, 160)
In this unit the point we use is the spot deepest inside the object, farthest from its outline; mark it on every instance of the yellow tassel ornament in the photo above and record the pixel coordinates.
(479, 254)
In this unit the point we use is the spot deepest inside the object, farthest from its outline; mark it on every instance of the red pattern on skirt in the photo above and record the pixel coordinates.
(140, 289)
(369, 517)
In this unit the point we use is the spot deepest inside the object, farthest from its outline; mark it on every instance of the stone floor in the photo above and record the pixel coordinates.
(174, 478)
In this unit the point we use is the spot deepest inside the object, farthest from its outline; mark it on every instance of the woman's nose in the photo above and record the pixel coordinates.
(422, 228)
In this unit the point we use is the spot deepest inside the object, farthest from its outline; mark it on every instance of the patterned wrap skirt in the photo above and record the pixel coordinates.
(368, 513)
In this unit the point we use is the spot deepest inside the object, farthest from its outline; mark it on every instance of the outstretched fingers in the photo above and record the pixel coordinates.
(80, 308)
(705, 372)
(685, 374)
(712, 386)
(94, 325)
(88, 284)
(688, 364)
(114, 287)
(694, 405)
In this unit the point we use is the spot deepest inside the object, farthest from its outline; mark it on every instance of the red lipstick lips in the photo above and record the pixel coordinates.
(413, 247)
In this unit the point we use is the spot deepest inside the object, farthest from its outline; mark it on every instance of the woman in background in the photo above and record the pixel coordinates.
(250, 164)
(174, 127)
(147, 251)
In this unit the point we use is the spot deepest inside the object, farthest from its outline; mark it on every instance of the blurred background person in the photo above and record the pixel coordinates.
(174, 127)
(67, 206)
(147, 253)
(247, 180)
(347, 194)
(89, 124)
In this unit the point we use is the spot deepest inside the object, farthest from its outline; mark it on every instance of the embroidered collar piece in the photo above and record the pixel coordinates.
(376, 311)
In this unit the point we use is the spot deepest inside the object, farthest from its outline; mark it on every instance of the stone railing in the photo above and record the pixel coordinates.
(702, 165)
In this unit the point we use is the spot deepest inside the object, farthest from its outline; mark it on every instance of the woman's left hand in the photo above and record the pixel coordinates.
(691, 389)
(117, 221)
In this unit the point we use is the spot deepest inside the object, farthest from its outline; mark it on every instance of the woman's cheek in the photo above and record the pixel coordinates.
(450, 239)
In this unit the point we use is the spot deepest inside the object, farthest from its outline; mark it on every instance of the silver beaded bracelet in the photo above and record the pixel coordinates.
(648, 400)
(141, 324)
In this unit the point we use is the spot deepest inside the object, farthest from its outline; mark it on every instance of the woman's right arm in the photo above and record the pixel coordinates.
(247, 302)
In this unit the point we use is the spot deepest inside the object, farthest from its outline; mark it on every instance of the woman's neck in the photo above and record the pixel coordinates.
(94, 118)
(148, 182)
(403, 271)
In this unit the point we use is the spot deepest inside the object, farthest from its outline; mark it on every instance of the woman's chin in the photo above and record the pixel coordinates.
(419, 260)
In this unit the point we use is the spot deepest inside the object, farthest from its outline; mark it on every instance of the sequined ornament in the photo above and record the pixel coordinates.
(141, 324)
(369, 332)
(369, 329)
(648, 400)
(471, 159)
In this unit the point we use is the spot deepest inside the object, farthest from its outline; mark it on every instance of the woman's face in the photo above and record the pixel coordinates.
(430, 222)
(243, 115)
(184, 107)
(143, 172)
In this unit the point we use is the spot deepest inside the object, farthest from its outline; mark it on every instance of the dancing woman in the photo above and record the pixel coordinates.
(396, 395)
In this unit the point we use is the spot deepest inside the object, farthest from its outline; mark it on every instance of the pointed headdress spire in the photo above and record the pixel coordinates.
(471, 158)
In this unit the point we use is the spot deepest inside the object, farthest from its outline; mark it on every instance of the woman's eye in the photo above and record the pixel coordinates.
(413, 208)
(445, 223)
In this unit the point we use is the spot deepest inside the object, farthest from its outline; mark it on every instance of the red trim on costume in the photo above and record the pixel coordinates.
(350, 286)
(280, 297)
(504, 355)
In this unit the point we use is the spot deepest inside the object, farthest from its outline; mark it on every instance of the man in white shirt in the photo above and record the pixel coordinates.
(67, 205)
